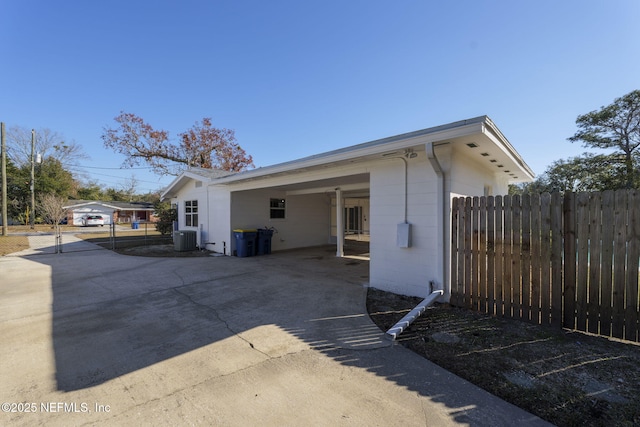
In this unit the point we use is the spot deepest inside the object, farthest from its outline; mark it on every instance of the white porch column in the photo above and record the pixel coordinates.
(339, 224)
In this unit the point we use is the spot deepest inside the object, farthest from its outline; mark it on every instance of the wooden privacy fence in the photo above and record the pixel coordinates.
(564, 260)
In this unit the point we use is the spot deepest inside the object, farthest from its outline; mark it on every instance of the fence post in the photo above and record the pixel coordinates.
(536, 260)
(582, 259)
(112, 235)
(526, 257)
(455, 219)
(516, 257)
(491, 256)
(508, 257)
(467, 252)
(607, 262)
(631, 326)
(499, 245)
(619, 256)
(475, 254)
(545, 258)
(595, 250)
(556, 260)
(569, 314)
(482, 255)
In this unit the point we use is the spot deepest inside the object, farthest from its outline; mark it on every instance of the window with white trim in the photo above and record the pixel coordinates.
(276, 208)
(191, 213)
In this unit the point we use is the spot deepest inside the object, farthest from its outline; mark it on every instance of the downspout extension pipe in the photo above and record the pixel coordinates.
(407, 320)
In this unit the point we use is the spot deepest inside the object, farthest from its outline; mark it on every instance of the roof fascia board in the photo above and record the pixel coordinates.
(89, 203)
(493, 133)
(372, 148)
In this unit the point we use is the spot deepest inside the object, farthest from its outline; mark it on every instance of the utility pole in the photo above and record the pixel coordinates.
(5, 226)
(33, 178)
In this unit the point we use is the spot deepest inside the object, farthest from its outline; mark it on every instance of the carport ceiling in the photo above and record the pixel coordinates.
(352, 186)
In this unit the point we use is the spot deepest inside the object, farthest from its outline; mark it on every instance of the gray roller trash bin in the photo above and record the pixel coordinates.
(184, 240)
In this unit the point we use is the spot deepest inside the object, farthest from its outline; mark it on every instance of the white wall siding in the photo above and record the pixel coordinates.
(403, 270)
(307, 217)
(308, 222)
(218, 225)
(469, 178)
(191, 192)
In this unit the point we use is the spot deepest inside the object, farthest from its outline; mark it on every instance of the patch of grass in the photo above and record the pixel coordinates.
(11, 244)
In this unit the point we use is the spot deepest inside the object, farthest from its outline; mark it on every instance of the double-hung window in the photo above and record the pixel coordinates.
(191, 213)
(276, 208)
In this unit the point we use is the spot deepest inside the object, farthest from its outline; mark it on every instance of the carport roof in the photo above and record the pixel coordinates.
(480, 133)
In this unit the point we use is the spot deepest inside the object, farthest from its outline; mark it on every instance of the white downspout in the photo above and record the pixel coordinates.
(339, 224)
(441, 214)
(407, 320)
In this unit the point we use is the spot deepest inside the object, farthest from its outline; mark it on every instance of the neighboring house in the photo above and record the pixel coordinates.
(395, 191)
(113, 212)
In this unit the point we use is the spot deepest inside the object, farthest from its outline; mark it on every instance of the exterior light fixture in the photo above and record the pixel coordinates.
(410, 154)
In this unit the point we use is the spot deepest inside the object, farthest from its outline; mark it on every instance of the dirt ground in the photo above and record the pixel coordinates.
(567, 378)
(161, 251)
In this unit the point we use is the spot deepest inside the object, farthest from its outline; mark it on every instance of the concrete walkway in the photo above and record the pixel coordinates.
(97, 338)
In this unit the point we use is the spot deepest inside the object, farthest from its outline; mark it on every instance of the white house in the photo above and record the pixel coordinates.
(112, 212)
(396, 191)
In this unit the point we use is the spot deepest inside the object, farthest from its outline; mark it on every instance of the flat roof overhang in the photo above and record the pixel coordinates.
(479, 135)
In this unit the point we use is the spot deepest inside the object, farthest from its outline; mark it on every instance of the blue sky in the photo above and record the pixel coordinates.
(295, 78)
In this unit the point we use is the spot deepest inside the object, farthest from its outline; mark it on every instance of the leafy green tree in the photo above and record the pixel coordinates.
(167, 215)
(116, 195)
(617, 127)
(588, 172)
(15, 189)
(90, 191)
(52, 178)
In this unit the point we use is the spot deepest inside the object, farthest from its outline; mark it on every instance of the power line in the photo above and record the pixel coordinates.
(113, 176)
(96, 167)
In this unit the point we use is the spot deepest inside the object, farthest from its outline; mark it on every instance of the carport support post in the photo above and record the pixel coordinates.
(339, 224)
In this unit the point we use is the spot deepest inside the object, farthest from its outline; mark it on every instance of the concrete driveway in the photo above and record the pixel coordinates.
(97, 338)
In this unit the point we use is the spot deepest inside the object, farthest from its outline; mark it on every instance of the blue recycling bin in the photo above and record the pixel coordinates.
(245, 242)
(263, 241)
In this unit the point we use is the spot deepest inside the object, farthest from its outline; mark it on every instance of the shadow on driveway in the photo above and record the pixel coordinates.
(113, 315)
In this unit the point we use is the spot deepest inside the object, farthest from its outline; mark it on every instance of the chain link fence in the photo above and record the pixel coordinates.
(42, 240)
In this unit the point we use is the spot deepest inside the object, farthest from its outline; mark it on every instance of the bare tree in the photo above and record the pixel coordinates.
(48, 143)
(129, 186)
(52, 209)
(203, 146)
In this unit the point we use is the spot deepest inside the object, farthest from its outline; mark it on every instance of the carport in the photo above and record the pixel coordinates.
(394, 191)
(305, 213)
